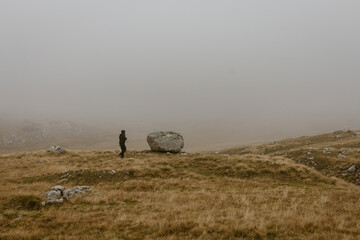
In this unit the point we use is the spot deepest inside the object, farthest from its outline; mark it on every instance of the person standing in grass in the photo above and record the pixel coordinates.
(122, 140)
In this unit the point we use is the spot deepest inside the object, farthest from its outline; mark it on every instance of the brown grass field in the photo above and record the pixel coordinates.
(240, 193)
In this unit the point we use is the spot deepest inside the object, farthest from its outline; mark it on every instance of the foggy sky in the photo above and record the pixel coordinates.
(217, 71)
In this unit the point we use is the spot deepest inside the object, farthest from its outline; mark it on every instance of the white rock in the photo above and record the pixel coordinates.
(340, 155)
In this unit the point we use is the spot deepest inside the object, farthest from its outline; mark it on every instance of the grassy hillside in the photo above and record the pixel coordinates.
(160, 196)
(332, 154)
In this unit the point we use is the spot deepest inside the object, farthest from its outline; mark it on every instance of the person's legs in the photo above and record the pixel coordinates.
(123, 150)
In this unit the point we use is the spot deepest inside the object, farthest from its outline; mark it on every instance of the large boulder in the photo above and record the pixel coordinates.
(165, 141)
(56, 150)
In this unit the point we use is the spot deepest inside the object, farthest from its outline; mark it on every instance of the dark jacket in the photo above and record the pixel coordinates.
(122, 139)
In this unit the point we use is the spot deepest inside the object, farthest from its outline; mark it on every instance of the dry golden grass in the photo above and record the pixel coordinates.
(319, 152)
(159, 196)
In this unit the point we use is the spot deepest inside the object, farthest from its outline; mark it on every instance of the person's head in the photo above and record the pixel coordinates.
(122, 131)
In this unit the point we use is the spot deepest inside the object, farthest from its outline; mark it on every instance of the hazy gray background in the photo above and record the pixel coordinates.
(220, 72)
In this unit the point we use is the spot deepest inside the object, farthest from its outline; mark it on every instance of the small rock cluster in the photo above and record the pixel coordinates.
(57, 194)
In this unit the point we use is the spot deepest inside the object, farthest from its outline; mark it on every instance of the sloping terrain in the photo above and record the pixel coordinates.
(334, 154)
(177, 196)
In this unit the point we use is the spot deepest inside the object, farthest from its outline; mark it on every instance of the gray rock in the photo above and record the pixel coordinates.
(53, 194)
(165, 141)
(357, 134)
(56, 150)
(58, 193)
(340, 155)
(352, 169)
(76, 191)
(58, 188)
(52, 201)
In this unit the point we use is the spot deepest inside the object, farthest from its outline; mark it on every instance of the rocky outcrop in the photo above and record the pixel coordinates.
(165, 141)
(57, 194)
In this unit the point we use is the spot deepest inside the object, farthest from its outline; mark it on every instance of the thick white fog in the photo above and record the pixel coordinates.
(222, 73)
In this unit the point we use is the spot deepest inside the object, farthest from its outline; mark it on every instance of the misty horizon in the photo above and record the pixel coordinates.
(221, 73)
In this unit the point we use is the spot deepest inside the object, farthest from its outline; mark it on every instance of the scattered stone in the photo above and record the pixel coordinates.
(352, 169)
(165, 141)
(338, 136)
(340, 155)
(216, 152)
(112, 172)
(344, 151)
(41, 161)
(64, 180)
(183, 154)
(357, 134)
(18, 218)
(56, 150)
(86, 169)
